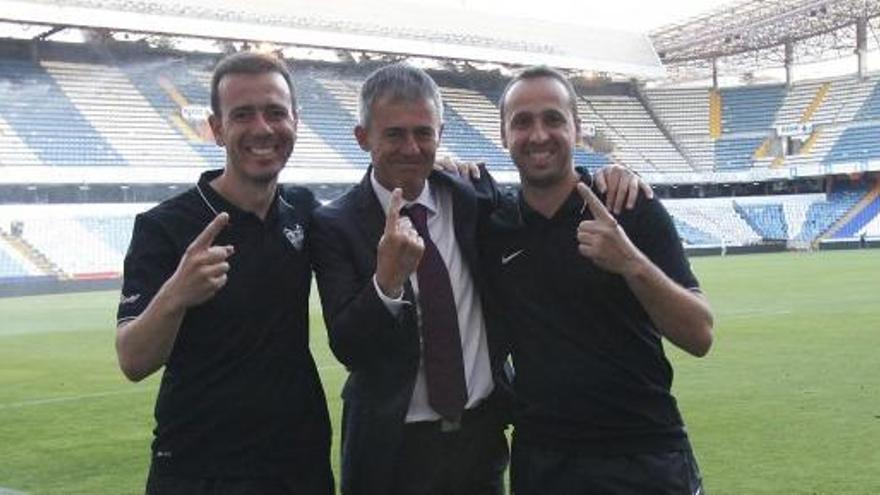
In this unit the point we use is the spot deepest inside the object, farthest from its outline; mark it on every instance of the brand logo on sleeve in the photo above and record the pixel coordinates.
(123, 299)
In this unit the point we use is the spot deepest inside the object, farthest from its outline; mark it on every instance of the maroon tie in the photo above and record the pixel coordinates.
(444, 367)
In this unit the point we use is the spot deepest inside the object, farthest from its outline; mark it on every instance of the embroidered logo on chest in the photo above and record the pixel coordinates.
(296, 236)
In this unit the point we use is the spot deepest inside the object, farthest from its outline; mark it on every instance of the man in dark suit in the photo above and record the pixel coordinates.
(418, 419)
(401, 291)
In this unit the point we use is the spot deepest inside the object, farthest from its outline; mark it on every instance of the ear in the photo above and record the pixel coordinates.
(360, 133)
(503, 136)
(216, 129)
(440, 133)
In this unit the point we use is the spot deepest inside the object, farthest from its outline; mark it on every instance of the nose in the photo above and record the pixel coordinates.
(410, 145)
(539, 133)
(261, 125)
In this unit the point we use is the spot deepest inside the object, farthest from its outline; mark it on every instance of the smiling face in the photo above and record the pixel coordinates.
(539, 131)
(402, 138)
(257, 125)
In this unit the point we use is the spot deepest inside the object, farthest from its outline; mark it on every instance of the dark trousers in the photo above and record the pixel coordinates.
(539, 471)
(467, 461)
(315, 482)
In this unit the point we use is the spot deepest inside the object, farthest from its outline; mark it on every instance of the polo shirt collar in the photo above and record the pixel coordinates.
(215, 202)
(573, 205)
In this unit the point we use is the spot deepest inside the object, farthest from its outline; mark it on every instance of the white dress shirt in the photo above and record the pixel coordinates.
(472, 328)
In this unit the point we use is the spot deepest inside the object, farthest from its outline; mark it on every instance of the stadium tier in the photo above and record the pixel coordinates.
(89, 241)
(82, 109)
(74, 241)
(130, 107)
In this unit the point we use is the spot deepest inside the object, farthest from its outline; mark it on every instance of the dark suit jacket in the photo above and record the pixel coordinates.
(380, 351)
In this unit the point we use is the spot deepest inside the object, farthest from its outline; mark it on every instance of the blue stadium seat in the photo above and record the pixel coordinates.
(47, 121)
(856, 144)
(735, 153)
(768, 220)
(823, 214)
(10, 267)
(145, 77)
(750, 109)
(694, 236)
(856, 223)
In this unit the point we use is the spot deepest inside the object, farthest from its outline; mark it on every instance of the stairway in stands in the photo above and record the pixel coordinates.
(38, 259)
(857, 217)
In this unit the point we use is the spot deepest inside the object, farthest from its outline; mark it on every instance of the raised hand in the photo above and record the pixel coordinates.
(621, 184)
(203, 269)
(400, 249)
(603, 241)
(465, 170)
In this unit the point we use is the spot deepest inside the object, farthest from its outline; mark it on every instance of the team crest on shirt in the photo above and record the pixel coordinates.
(296, 236)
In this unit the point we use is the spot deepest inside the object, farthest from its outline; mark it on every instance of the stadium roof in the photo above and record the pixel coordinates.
(752, 33)
(368, 25)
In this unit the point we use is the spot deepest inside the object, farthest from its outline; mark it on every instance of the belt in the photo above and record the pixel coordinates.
(445, 425)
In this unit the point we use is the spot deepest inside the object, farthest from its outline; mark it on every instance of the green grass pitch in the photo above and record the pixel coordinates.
(788, 400)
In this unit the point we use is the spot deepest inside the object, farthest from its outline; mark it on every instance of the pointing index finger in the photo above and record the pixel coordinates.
(206, 238)
(596, 207)
(393, 213)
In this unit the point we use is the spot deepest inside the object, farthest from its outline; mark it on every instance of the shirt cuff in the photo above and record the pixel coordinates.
(394, 305)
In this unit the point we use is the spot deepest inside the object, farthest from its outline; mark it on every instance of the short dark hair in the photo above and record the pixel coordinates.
(400, 81)
(249, 63)
(536, 72)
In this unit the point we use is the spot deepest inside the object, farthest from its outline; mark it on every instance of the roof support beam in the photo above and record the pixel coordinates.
(45, 34)
(789, 62)
(862, 46)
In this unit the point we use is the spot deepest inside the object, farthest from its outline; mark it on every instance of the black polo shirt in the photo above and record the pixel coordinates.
(240, 393)
(591, 373)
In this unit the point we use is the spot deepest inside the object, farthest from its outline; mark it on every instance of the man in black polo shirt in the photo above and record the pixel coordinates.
(588, 301)
(216, 290)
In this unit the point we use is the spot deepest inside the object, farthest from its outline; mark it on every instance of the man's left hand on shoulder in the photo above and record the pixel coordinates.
(621, 187)
(464, 169)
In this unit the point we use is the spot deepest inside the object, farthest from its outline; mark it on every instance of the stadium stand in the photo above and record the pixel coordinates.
(12, 149)
(797, 219)
(630, 124)
(170, 88)
(768, 220)
(860, 221)
(78, 240)
(329, 123)
(821, 215)
(750, 109)
(36, 109)
(685, 112)
(58, 112)
(795, 208)
(714, 216)
(75, 107)
(872, 229)
(13, 264)
(121, 114)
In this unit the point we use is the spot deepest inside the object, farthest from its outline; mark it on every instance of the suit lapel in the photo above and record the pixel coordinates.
(372, 218)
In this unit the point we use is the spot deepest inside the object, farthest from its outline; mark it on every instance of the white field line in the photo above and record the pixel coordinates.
(96, 395)
(72, 398)
(748, 313)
